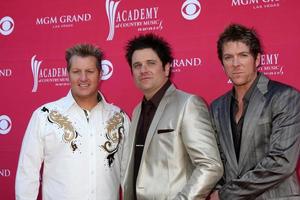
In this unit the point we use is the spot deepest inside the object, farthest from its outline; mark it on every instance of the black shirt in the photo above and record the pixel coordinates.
(237, 128)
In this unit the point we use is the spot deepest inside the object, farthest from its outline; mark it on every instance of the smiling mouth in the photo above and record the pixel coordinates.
(83, 85)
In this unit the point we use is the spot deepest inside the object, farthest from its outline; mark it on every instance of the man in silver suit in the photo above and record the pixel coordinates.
(257, 125)
(174, 153)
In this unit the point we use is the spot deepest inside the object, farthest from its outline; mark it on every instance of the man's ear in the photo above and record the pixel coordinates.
(167, 69)
(100, 74)
(257, 60)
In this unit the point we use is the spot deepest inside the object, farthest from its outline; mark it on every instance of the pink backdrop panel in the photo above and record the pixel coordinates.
(35, 32)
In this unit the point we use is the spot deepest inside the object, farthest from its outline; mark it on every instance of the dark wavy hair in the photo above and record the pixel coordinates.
(239, 33)
(149, 40)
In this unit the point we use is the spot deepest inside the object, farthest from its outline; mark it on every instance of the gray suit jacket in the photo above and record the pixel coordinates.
(180, 158)
(269, 148)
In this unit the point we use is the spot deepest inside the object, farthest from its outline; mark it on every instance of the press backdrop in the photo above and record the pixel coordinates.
(34, 35)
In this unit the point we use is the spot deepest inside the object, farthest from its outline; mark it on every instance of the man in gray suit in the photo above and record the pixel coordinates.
(174, 153)
(257, 125)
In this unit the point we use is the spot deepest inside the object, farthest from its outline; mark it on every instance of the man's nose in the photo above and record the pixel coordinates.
(235, 61)
(144, 68)
(83, 76)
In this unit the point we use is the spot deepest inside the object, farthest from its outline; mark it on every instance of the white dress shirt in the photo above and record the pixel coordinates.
(81, 152)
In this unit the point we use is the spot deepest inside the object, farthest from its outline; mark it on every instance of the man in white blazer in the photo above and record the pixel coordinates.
(174, 153)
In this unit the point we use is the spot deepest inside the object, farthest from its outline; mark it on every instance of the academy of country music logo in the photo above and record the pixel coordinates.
(180, 64)
(53, 75)
(59, 75)
(256, 4)
(7, 25)
(5, 124)
(63, 21)
(270, 65)
(142, 19)
(190, 9)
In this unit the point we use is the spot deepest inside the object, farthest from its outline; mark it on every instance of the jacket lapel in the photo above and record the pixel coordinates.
(255, 107)
(131, 138)
(134, 122)
(156, 119)
(226, 135)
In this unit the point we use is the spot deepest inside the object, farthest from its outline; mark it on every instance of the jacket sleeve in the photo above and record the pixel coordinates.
(30, 161)
(200, 142)
(283, 154)
(125, 155)
(222, 180)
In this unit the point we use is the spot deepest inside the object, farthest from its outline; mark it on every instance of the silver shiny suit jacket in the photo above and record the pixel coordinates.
(180, 158)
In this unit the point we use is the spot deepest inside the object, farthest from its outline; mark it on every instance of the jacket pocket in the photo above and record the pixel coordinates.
(159, 131)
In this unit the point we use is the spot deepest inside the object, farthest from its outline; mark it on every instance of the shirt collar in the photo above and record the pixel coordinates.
(155, 100)
(250, 90)
(68, 101)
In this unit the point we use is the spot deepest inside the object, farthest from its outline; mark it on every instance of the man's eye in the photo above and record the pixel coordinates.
(136, 66)
(151, 63)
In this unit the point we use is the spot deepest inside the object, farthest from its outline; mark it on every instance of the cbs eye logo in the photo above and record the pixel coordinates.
(107, 69)
(6, 25)
(190, 9)
(5, 124)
